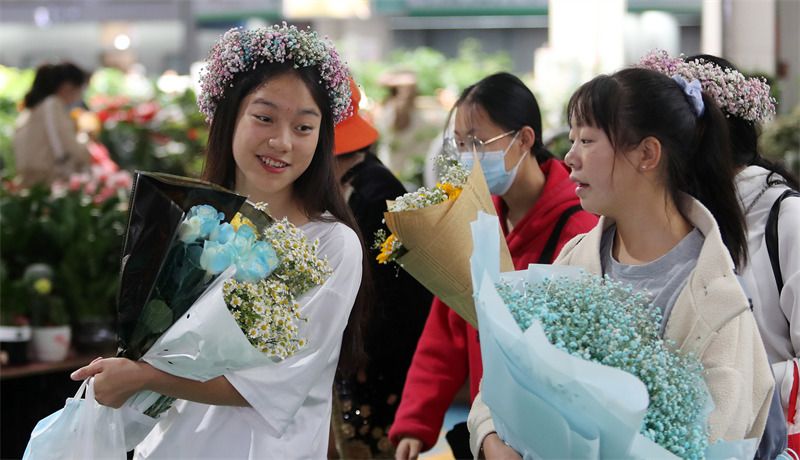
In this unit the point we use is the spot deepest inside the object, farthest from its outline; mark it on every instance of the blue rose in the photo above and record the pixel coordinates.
(257, 264)
(223, 234)
(264, 251)
(217, 257)
(206, 212)
(200, 221)
(245, 237)
(189, 231)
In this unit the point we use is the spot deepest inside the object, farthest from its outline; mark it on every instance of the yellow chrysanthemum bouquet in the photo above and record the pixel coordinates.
(430, 233)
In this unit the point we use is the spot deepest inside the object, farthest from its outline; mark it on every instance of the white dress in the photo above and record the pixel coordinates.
(778, 319)
(291, 400)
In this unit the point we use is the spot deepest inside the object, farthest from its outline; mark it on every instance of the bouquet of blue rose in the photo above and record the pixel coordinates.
(208, 285)
(223, 297)
(574, 366)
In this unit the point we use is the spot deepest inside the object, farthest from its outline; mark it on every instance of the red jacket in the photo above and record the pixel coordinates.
(448, 351)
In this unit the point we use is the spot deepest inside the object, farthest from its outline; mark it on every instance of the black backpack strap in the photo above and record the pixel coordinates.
(549, 250)
(771, 237)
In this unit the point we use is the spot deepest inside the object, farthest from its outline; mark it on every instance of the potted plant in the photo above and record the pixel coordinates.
(21, 243)
(75, 228)
(52, 333)
(15, 329)
(91, 218)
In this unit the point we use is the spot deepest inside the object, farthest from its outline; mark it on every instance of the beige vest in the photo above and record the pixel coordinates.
(45, 146)
(712, 319)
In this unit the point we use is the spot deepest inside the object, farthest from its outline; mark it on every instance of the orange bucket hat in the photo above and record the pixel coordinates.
(353, 133)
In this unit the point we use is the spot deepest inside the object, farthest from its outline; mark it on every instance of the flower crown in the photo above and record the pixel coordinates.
(240, 50)
(746, 98)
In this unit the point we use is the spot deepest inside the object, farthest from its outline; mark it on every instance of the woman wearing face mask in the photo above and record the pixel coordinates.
(497, 122)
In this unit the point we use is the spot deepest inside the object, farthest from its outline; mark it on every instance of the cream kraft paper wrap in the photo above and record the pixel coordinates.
(439, 243)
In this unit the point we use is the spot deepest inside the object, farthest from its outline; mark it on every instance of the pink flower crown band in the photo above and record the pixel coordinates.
(735, 94)
(240, 50)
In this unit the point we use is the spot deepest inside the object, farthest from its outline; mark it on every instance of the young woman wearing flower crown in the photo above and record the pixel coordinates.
(650, 156)
(747, 104)
(497, 120)
(272, 96)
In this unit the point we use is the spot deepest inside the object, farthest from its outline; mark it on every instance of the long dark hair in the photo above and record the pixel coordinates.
(316, 189)
(744, 134)
(636, 103)
(50, 77)
(509, 104)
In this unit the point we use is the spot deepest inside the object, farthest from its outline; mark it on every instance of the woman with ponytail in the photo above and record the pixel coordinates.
(771, 278)
(45, 144)
(650, 155)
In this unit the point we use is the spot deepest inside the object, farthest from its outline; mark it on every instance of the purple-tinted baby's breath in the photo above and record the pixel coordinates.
(746, 98)
(240, 50)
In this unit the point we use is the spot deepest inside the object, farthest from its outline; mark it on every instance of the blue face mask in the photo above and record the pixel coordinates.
(493, 164)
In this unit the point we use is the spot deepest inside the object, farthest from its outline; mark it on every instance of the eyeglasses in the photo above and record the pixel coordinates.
(458, 146)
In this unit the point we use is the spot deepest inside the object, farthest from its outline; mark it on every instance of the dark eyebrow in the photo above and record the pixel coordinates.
(306, 111)
(311, 112)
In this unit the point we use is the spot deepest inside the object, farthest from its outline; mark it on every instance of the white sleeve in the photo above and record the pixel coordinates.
(277, 391)
(789, 250)
(479, 423)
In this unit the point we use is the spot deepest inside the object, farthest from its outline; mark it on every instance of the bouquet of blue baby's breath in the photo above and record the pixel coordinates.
(575, 366)
(607, 322)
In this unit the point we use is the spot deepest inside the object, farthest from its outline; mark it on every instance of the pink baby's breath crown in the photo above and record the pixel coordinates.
(735, 94)
(240, 50)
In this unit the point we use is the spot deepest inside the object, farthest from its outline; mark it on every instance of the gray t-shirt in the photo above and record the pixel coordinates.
(662, 278)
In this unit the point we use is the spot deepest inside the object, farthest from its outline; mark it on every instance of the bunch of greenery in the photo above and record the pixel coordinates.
(79, 236)
(780, 140)
(433, 69)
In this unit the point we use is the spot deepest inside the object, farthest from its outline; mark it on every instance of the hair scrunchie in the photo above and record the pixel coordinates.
(694, 93)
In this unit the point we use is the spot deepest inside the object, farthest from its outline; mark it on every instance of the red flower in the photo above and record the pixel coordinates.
(144, 112)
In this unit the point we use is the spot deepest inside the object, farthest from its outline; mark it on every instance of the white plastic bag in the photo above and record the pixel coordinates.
(83, 430)
(137, 425)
